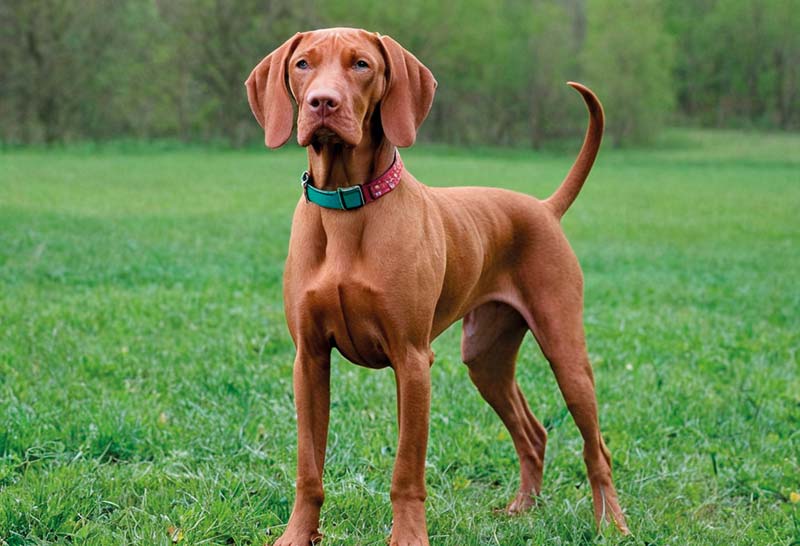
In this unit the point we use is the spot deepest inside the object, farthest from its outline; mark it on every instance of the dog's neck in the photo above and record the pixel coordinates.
(333, 165)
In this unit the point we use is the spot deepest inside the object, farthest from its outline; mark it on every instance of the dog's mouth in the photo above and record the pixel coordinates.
(321, 131)
(325, 135)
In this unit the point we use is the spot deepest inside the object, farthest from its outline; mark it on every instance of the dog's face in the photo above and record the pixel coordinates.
(340, 79)
(337, 79)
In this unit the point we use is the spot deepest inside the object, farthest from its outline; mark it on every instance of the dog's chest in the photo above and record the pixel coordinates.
(348, 310)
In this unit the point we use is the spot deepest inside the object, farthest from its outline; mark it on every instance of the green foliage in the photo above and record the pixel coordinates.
(50, 89)
(126, 68)
(739, 61)
(630, 68)
(145, 366)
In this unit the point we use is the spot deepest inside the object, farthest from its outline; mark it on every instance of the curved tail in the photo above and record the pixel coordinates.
(563, 197)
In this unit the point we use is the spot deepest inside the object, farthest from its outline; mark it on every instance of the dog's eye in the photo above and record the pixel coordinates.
(362, 64)
(301, 64)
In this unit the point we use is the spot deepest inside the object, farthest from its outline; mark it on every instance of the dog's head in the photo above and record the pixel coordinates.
(342, 80)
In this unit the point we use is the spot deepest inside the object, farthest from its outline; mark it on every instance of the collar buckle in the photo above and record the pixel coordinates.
(343, 192)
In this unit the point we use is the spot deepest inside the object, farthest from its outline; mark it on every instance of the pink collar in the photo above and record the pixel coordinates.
(385, 182)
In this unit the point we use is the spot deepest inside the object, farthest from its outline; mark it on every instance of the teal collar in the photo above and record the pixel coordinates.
(354, 197)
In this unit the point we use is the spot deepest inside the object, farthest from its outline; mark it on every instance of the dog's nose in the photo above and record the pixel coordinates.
(324, 101)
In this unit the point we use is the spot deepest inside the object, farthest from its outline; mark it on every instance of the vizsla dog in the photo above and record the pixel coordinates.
(380, 264)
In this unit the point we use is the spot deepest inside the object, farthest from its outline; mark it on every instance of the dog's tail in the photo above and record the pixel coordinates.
(563, 197)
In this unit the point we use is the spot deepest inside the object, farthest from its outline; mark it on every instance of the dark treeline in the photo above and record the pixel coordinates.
(105, 69)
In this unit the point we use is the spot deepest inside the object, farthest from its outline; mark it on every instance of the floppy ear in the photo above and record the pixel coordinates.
(408, 96)
(268, 96)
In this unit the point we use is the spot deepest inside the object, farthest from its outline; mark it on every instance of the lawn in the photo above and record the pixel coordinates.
(145, 368)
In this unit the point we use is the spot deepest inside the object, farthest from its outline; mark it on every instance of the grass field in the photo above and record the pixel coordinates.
(145, 369)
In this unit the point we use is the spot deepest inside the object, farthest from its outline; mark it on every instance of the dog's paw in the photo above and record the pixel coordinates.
(521, 503)
(298, 538)
(410, 533)
(608, 510)
(409, 541)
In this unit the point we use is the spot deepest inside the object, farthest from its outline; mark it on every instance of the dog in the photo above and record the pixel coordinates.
(380, 264)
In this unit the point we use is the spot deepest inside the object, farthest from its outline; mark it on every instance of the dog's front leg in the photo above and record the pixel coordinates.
(408, 481)
(312, 400)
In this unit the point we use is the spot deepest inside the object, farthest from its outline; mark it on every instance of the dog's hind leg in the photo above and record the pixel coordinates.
(558, 327)
(490, 341)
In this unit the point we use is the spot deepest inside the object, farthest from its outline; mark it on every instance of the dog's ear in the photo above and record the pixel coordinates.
(408, 96)
(269, 97)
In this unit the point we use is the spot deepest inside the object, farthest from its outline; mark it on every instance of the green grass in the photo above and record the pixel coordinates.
(145, 369)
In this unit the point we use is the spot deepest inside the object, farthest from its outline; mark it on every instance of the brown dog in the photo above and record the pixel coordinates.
(380, 281)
